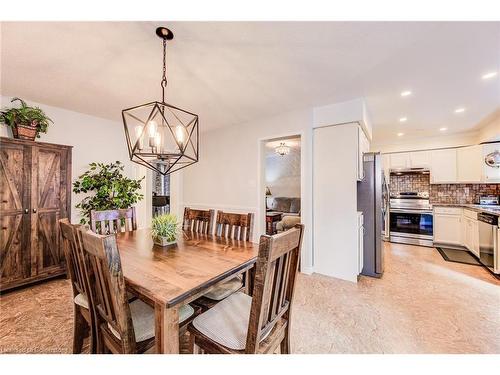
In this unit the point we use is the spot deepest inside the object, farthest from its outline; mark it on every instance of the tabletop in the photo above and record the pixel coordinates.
(170, 275)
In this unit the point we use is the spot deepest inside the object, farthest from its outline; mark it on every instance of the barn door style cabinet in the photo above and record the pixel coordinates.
(35, 192)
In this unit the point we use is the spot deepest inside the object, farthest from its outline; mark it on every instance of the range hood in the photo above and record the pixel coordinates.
(409, 171)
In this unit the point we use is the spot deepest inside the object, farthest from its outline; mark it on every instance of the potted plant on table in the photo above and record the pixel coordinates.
(164, 229)
(26, 122)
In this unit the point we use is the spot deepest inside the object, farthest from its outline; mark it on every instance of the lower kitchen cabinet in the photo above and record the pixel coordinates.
(471, 231)
(448, 225)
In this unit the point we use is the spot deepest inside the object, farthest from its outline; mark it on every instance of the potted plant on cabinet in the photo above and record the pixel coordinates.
(26, 122)
(110, 189)
(164, 229)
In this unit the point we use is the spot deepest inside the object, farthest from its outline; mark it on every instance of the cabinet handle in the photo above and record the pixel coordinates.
(34, 210)
(26, 210)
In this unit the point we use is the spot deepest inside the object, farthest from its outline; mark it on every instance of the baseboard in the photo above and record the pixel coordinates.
(306, 270)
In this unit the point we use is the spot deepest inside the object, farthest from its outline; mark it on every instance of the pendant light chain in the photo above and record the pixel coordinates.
(164, 77)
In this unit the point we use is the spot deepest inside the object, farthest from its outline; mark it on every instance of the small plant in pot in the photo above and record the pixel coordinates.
(164, 229)
(26, 122)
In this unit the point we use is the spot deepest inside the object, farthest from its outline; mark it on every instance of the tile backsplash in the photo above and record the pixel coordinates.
(409, 182)
(461, 193)
(442, 193)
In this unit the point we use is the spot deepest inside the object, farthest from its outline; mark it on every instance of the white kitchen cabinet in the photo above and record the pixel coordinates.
(448, 225)
(363, 148)
(470, 230)
(444, 166)
(420, 159)
(469, 164)
(400, 160)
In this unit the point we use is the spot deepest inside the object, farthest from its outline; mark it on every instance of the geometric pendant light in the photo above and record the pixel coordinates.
(161, 136)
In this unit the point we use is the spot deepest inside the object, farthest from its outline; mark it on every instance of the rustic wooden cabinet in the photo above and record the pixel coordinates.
(35, 192)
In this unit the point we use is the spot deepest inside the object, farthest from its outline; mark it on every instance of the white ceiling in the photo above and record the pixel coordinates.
(233, 72)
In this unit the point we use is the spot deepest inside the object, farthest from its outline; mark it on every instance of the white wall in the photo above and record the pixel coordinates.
(93, 139)
(230, 174)
(283, 173)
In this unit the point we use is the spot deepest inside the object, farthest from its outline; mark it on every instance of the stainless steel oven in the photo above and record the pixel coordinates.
(411, 220)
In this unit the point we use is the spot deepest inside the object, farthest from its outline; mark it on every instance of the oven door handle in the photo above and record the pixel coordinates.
(409, 211)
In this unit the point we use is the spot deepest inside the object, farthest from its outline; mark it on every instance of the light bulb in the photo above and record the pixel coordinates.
(138, 134)
(157, 140)
(180, 134)
(152, 125)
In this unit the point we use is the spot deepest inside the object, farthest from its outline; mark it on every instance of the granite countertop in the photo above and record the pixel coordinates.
(494, 210)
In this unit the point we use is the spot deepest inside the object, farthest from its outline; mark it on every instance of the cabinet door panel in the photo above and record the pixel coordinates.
(14, 249)
(48, 206)
(444, 166)
(447, 229)
(400, 161)
(420, 159)
(469, 164)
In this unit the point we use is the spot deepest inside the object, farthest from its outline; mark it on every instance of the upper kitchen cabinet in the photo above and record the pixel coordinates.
(400, 160)
(420, 159)
(469, 164)
(408, 160)
(444, 166)
(491, 173)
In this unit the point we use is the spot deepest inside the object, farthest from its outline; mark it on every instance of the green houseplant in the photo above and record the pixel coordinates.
(164, 229)
(26, 122)
(108, 187)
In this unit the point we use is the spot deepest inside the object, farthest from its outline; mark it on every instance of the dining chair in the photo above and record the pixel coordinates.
(236, 227)
(113, 221)
(84, 318)
(258, 324)
(123, 327)
(198, 221)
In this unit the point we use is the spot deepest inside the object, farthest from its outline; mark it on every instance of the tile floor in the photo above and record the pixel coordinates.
(421, 305)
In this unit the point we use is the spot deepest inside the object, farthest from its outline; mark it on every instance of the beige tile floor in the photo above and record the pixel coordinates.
(421, 305)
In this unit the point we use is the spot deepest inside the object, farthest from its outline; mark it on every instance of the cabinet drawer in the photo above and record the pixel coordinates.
(448, 210)
(470, 214)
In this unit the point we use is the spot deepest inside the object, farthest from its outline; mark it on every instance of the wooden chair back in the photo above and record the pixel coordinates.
(275, 274)
(109, 291)
(73, 254)
(113, 221)
(198, 221)
(235, 226)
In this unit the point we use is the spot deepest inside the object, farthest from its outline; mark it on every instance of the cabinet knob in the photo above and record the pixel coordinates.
(26, 210)
(34, 210)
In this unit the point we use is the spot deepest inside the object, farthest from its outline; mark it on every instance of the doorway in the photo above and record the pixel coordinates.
(282, 183)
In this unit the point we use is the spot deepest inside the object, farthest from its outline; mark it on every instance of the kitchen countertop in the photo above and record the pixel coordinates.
(494, 210)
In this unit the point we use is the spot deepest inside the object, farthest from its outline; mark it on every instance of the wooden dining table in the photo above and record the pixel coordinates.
(169, 277)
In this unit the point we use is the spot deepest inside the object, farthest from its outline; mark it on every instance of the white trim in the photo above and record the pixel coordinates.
(220, 207)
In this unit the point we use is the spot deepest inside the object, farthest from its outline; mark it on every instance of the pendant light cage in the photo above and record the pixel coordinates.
(160, 136)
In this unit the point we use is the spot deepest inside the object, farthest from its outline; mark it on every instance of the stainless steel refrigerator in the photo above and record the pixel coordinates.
(370, 201)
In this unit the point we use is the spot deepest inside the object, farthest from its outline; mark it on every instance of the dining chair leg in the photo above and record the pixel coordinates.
(79, 330)
(285, 344)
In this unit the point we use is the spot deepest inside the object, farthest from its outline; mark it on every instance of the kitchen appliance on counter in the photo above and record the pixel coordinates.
(370, 204)
(411, 218)
(488, 249)
(489, 200)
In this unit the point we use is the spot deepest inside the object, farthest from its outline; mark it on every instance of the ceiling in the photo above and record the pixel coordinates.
(234, 72)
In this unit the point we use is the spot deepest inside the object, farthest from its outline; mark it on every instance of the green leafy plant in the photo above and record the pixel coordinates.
(110, 189)
(165, 226)
(25, 115)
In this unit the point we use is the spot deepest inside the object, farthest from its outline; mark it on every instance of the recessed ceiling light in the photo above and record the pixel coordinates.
(489, 75)
(401, 134)
(443, 129)
(406, 93)
(403, 119)
(460, 110)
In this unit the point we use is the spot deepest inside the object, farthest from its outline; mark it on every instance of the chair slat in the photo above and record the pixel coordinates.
(198, 221)
(110, 221)
(234, 226)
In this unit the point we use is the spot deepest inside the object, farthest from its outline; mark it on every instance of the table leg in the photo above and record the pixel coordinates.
(166, 329)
